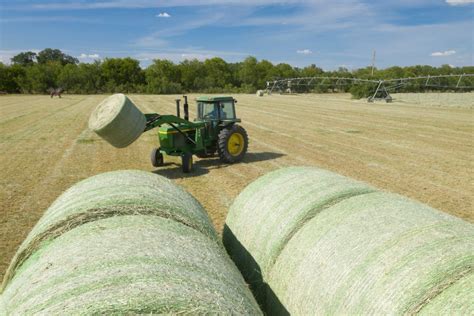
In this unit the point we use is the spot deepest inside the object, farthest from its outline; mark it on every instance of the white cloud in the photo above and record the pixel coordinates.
(304, 52)
(48, 19)
(159, 38)
(459, 2)
(179, 54)
(141, 4)
(443, 54)
(197, 56)
(88, 56)
(163, 15)
(6, 55)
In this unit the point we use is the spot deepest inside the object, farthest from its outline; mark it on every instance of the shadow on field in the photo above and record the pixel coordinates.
(261, 156)
(251, 271)
(203, 166)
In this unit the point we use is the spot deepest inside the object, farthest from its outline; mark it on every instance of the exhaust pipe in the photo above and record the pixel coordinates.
(186, 108)
(177, 107)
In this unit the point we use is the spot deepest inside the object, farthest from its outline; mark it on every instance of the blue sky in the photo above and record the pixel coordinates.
(328, 33)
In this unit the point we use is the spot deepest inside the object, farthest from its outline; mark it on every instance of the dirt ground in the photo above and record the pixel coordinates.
(408, 147)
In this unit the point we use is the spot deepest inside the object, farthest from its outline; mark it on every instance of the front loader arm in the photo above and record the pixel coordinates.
(156, 120)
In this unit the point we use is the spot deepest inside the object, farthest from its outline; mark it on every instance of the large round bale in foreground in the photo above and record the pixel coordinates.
(313, 242)
(117, 120)
(124, 242)
(109, 194)
(265, 216)
(130, 265)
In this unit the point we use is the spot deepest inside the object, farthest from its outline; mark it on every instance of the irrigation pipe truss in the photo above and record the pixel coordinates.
(383, 86)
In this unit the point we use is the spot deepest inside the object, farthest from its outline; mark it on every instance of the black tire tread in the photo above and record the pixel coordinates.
(222, 140)
(156, 157)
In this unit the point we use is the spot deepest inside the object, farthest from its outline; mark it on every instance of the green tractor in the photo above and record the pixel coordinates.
(214, 130)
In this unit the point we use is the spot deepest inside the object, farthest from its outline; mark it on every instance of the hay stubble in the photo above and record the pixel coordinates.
(415, 150)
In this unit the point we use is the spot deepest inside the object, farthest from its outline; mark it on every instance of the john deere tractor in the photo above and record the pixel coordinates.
(214, 130)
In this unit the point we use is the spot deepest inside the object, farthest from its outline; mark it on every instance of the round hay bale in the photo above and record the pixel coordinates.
(457, 299)
(111, 194)
(265, 216)
(131, 264)
(117, 120)
(259, 93)
(124, 242)
(313, 242)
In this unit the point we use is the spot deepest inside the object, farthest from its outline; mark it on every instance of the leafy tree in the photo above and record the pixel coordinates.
(191, 71)
(248, 73)
(55, 55)
(163, 76)
(54, 69)
(92, 77)
(9, 77)
(311, 71)
(217, 73)
(39, 78)
(122, 74)
(264, 73)
(24, 59)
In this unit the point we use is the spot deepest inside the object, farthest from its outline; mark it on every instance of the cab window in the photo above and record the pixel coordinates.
(227, 110)
(207, 110)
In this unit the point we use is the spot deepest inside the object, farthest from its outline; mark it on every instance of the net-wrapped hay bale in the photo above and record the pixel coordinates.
(313, 242)
(259, 93)
(109, 194)
(124, 242)
(117, 120)
(457, 299)
(129, 264)
(271, 209)
(3, 310)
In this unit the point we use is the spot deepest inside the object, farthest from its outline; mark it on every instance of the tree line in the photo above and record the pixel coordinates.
(36, 73)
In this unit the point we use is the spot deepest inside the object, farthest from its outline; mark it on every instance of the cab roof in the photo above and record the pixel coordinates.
(215, 98)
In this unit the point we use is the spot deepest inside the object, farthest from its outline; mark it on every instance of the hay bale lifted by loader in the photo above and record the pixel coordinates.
(120, 122)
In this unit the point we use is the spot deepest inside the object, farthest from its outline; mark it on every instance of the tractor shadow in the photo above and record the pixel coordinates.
(203, 166)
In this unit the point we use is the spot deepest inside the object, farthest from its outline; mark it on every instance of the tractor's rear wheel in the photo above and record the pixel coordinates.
(187, 162)
(156, 157)
(232, 143)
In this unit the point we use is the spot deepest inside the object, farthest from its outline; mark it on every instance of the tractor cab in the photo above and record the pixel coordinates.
(216, 108)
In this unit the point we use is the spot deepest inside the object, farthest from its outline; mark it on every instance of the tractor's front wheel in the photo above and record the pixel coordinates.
(187, 162)
(156, 157)
(232, 143)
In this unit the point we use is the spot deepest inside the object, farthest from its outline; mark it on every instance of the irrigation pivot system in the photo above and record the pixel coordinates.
(382, 87)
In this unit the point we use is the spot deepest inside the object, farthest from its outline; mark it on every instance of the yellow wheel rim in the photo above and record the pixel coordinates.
(235, 144)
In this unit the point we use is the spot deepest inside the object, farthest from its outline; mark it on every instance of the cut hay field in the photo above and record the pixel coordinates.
(414, 146)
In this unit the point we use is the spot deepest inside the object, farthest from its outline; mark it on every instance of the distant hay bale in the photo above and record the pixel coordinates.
(260, 93)
(124, 242)
(313, 242)
(117, 120)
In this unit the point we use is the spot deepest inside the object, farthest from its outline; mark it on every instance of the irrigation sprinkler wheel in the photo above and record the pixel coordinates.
(156, 157)
(232, 143)
(187, 162)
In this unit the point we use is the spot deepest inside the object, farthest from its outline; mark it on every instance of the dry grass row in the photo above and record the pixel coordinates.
(414, 150)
